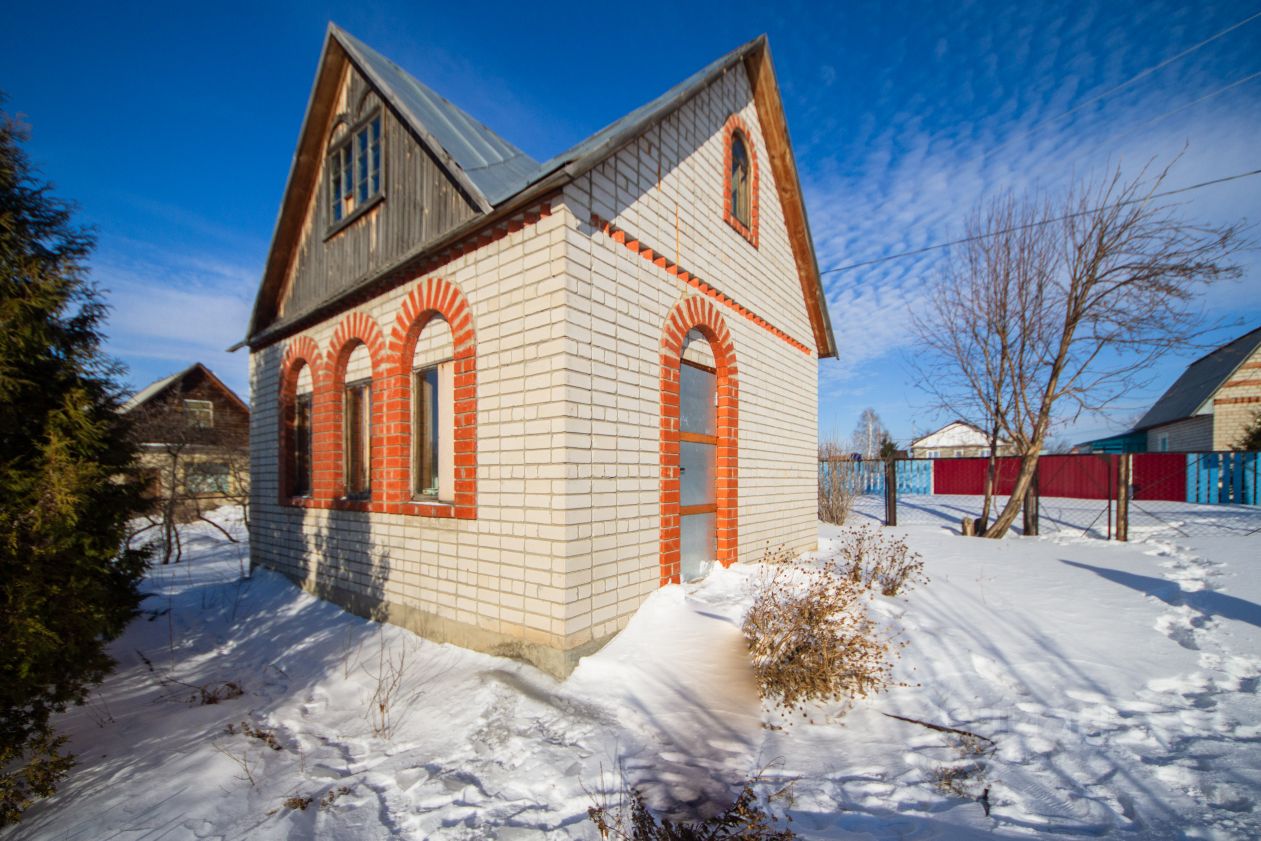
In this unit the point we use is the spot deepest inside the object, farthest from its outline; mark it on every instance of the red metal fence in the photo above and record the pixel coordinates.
(1157, 476)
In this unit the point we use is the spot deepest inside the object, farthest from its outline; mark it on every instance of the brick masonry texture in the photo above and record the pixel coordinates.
(567, 345)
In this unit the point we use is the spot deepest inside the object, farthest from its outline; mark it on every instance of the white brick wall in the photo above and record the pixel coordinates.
(568, 327)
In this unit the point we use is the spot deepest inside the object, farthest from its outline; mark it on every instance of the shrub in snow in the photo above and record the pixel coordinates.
(838, 485)
(631, 820)
(811, 638)
(879, 560)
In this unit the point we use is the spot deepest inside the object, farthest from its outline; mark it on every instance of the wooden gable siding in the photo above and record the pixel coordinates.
(421, 203)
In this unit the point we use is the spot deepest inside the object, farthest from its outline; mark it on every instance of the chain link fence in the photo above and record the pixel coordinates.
(1132, 496)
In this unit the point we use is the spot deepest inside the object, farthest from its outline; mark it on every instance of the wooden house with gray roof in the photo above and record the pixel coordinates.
(500, 401)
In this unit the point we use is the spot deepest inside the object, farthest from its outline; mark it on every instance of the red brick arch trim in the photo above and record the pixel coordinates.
(733, 126)
(301, 352)
(432, 298)
(355, 328)
(697, 313)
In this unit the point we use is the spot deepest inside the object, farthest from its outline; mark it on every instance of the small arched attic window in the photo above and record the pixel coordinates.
(740, 180)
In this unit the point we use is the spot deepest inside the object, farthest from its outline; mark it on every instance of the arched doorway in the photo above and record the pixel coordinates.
(699, 475)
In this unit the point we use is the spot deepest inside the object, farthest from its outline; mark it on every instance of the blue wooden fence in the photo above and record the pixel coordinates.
(1223, 478)
(867, 477)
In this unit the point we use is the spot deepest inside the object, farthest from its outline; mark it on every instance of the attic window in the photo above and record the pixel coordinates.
(200, 413)
(740, 180)
(354, 171)
(739, 198)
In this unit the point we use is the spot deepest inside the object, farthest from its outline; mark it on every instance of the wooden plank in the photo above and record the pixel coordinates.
(770, 112)
(421, 203)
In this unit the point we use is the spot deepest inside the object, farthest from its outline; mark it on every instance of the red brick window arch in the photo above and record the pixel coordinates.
(299, 373)
(713, 442)
(740, 179)
(432, 454)
(355, 412)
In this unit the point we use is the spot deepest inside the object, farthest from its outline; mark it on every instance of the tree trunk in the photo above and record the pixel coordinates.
(990, 469)
(1028, 464)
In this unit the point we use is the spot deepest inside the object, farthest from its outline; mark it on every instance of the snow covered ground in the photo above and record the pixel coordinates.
(1118, 683)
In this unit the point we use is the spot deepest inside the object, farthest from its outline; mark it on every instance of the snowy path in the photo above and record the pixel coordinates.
(1119, 684)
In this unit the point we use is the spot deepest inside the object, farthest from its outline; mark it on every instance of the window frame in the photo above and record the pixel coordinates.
(195, 472)
(343, 159)
(744, 190)
(349, 430)
(301, 464)
(193, 415)
(443, 426)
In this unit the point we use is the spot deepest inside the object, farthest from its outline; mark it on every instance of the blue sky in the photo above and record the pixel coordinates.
(173, 128)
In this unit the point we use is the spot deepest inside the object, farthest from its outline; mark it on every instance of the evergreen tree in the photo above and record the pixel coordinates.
(68, 485)
(1250, 438)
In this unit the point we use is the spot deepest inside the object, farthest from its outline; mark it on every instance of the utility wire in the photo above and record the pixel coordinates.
(1140, 75)
(1184, 107)
(936, 246)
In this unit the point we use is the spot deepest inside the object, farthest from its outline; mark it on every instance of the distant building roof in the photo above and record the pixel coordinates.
(957, 433)
(156, 388)
(1199, 381)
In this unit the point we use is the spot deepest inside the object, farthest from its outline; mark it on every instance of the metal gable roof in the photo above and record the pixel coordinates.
(495, 168)
(1199, 382)
(499, 178)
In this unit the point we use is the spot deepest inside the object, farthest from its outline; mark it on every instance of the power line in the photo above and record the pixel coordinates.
(1185, 106)
(1140, 75)
(939, 245)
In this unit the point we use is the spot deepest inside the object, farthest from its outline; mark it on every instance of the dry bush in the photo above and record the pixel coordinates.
(388, 677)
(267, 737)
(838, 484)
(880, 561)
(748, 817)
(811, 638)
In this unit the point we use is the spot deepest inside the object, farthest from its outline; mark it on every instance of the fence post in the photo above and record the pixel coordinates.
(890, 492)
(1125, 475)
(1031, 504)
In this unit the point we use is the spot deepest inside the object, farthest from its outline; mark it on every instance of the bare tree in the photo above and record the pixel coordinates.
(972, 327)
(1052, 309)
(869, 434)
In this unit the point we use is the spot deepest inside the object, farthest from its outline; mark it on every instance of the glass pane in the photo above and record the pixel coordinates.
(376, 168)
(696, 400)
(696, 473)
(300, 484)
(335, 183)
(357, 439)
(696, 545)
(425, 433)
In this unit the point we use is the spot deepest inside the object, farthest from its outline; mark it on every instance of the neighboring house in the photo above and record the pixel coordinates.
(1208, 406)
(957, 439)
(194, 436)
(500, 402)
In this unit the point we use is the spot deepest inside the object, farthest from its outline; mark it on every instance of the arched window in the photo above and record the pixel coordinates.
(433, 415)
(357, 424)
(741, 202)
(740, 180)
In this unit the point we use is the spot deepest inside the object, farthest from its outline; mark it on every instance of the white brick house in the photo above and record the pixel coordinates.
(500, 402)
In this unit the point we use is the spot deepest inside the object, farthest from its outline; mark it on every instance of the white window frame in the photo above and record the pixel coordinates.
(444, 490)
